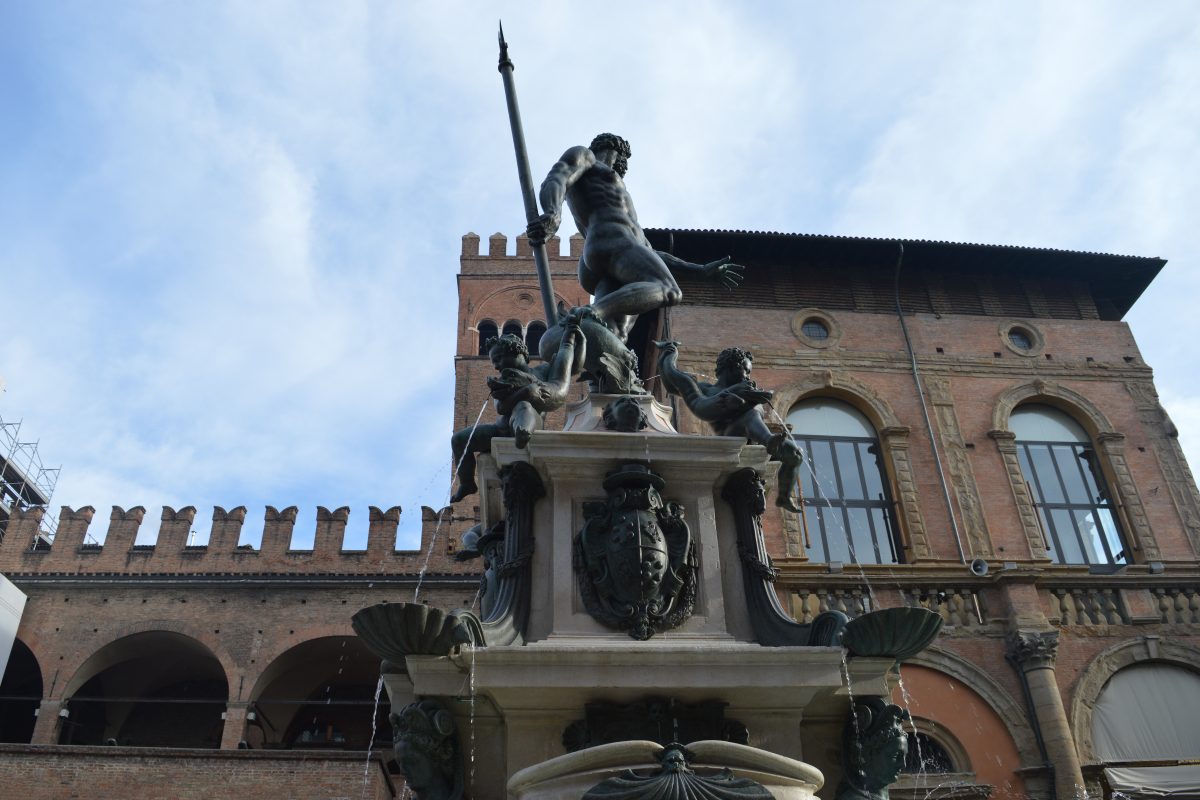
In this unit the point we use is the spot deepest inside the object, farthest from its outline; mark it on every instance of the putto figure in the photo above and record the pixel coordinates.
(732, 407)
(624, 274)
(521, 394)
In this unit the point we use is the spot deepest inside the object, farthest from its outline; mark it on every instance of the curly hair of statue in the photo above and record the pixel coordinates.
(508, 345)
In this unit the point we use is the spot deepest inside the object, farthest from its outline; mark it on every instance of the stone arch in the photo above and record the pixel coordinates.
(21, 689)
(841, 387)
(204, 636)
(1011, 713)
(481, 305)
(1054, 394)
(1109, 444)
(487, 330)
(1108, 663)
(317, 692)
(154, 688)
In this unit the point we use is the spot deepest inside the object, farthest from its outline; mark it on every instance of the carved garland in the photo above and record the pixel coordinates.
(962, 477)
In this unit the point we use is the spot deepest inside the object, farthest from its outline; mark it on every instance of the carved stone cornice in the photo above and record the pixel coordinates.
(1030, 650)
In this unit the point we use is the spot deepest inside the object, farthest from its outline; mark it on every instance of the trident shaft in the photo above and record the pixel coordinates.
(540, 259)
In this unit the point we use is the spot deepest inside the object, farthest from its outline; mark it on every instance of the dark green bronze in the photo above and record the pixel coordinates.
(897, 633)
(733, 407)
(745, 491)
(874, 746)
(677, 781)
(623, 273)
(425, 742)
(655, 719)
(624, 415)
(393, 631)
(507, 608)
(521, 395)
(635, 558)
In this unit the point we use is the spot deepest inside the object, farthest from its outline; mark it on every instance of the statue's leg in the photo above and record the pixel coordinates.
(636, 281)
(782, 449)
(465, 444)
(523, 420)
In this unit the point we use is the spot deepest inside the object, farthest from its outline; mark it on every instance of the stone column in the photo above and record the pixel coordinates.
(1033, 653)
(45, 730)
(235, 726)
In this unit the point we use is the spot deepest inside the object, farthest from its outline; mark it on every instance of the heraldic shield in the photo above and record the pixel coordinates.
(635, 558)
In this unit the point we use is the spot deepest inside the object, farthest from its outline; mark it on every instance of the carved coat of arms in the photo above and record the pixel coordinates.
(634, 557)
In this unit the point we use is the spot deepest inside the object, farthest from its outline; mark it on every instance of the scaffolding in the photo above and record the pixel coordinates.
(25, 482)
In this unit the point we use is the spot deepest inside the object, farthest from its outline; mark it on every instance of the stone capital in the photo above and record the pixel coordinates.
(1032, 649)
(1002, 437)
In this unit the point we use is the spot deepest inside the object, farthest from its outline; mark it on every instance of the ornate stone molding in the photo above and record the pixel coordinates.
(677, 781)
(894, 441)
(1030, 650)
(958, 464)
(1112, 450)
(1164, 440)
(984, 683)
(1006, 443)
(1055, 394)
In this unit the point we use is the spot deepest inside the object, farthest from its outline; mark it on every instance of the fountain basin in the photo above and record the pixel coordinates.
(573, 774)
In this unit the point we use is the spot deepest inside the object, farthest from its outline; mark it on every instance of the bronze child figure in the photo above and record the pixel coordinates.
(731, 407)
(520, 394)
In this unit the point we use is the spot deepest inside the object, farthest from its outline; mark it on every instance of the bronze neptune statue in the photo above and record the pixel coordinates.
(624, 274)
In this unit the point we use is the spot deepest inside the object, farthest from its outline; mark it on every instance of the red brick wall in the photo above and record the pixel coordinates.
(120, 773)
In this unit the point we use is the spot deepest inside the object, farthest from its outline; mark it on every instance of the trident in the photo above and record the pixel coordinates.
(540, 259)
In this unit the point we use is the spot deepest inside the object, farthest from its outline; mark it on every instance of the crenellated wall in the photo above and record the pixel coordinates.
(22, 551)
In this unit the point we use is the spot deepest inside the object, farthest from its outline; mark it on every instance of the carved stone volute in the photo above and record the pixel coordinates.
(1032, 649)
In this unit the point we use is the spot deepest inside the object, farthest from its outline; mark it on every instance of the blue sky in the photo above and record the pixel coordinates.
(229, 231)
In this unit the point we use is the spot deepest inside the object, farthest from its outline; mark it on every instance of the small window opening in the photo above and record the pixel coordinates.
(926, 754)
(1020, 339)
(815, 329)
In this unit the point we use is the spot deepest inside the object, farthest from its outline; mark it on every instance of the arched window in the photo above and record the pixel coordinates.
(533, 336)
(487, 330)
(1059, 465)
(512, 327)
(926, 754)
(846, 497)
(1149, 713)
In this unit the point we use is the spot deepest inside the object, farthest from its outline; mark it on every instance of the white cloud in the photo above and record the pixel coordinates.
(235, 228)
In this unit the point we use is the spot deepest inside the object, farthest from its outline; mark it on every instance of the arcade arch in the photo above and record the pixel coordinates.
(321, 694)
(20, 695)
(151, 689)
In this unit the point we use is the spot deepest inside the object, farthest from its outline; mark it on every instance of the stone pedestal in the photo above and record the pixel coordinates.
(512, 704)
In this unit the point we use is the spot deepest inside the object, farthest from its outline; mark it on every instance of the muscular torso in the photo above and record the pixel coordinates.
(601, 204)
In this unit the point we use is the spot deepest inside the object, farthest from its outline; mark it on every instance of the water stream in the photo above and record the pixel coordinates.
(441, 511)
(371, 742)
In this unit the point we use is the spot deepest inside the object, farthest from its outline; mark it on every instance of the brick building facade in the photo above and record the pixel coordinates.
(937, 498)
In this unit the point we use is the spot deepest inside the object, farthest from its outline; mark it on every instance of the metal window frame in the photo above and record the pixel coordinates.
(842, 504)
(1104, 501)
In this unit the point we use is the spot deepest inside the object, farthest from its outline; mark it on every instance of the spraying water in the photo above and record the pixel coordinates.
(441, 512)
(371, 743)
